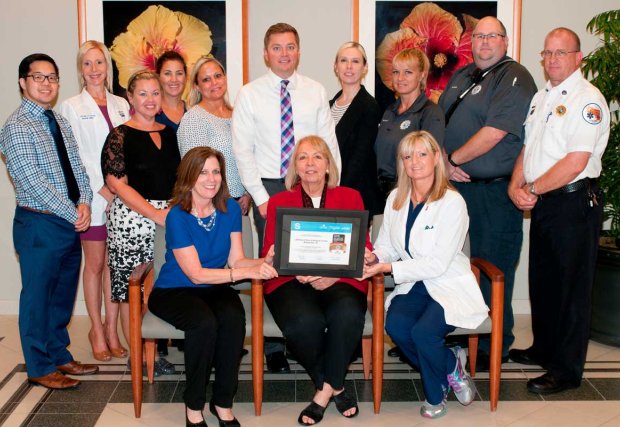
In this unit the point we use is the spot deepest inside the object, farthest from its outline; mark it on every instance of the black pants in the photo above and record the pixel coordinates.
(214, 324)
(322, 328)
(563, 248)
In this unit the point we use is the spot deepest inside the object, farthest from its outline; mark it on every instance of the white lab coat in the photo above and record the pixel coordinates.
(91, 129)
(436, 243)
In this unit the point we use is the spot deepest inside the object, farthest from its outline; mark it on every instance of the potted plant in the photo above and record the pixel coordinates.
(602, 65)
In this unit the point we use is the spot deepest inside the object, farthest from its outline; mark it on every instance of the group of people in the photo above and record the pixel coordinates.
(105, 172)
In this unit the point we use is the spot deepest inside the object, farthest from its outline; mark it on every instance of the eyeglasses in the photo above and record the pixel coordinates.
(558, 53)
(40, 78)
(490, 36)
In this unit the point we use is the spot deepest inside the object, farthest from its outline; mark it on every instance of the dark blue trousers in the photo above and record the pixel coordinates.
(416, 323)
(49, 259)
(495, 234)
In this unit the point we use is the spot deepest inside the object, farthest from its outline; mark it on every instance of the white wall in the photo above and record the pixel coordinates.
(51, 27)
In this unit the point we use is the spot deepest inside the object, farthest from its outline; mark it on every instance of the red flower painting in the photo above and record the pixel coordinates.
(440, 35)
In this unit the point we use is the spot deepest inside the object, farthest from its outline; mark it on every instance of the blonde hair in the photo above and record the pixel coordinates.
(141, 75)
(354, 45)
(86, 46)
(404, 184)
(409, 56)
(292, 179)
(194, 94)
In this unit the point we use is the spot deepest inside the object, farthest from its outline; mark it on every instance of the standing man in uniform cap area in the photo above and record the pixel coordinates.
(485, 104)
(271, 114)
(555, 177)
(53, 205)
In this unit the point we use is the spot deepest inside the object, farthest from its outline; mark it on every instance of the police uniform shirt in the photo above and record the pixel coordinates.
(572, 116)
(500, 100)
(422, 115)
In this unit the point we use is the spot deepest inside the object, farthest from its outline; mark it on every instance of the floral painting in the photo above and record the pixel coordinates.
(442, 30)
(139, 32)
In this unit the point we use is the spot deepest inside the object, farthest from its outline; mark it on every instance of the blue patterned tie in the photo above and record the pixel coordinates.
(286, 128)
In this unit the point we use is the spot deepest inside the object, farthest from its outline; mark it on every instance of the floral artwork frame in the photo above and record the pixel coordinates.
(370, 29)
(233, 44)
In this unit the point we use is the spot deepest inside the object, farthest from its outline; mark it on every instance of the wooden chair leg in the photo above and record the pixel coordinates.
(366, 355)
(377, 341)
(149, 354)
(135, 352)
(473, 354)
(257, 346)
(495, 367)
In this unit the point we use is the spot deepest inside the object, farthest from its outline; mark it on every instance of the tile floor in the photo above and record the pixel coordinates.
(105, 399)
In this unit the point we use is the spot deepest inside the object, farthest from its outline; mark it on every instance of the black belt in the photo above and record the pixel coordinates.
(280, 180)
(488, 180)
(571, 188)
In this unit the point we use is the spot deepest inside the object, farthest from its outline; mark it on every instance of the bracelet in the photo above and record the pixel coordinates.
(452, 161)
(231, 275)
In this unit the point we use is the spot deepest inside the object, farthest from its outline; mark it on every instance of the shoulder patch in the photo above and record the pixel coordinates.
(592, 113)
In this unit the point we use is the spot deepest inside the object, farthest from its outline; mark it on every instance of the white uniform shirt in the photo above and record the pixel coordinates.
(256, 127)
(572, 116)
(436, 244)
(91, 129)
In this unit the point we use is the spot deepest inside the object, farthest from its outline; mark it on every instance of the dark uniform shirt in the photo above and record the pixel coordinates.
(422, 115)
(501, 101)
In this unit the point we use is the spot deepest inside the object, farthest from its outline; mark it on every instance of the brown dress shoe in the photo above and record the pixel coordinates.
(77, 368)
(55, 380)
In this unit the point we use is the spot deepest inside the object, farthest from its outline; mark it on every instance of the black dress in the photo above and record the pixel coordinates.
(151, 171)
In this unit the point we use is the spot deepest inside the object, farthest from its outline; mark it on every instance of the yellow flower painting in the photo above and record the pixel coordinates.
(155, 31)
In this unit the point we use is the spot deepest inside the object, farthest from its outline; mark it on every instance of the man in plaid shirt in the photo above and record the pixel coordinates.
(53, 205)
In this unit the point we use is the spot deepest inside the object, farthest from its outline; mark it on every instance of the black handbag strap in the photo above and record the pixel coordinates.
(477, 76)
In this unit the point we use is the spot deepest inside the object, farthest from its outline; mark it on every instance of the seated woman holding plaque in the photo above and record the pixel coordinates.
(322, 318)
(420, 242)
(192, 292)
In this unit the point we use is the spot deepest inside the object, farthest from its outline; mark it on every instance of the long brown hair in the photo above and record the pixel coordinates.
(187, 175)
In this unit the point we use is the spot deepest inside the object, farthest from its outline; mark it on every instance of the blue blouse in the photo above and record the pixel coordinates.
(213, 247)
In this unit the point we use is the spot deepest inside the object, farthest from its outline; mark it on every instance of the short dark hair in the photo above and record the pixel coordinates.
(24, 66)
(187, 175)
(280, 28)
(170, 55)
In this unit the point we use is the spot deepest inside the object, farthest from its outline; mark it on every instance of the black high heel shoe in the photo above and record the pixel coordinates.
(188, 423)
(223, 423)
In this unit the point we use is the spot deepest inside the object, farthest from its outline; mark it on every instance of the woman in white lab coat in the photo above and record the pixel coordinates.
(92, 114)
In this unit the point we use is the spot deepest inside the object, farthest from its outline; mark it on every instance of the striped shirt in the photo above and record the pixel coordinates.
(338, 111)
(33, 163)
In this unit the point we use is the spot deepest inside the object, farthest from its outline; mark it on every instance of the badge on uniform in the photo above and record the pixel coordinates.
(592, 114)
(476, 90)
(560, 110)
(405, 124)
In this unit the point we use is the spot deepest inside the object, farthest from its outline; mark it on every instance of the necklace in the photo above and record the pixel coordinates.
(209, 225)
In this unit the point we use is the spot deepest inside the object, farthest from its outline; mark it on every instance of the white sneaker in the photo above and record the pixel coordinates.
(462, 384)
(433, 411)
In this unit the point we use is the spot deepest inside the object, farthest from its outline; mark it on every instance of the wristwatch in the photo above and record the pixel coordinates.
(452, 161)
(532, 190)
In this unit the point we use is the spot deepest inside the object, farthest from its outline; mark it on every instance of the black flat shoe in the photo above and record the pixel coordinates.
(188, 423)
(483, 361)
(344, 402)
(395, 352)
(314, 411)
(223, 423)
(277, 363)
(549, 384)
(524, 357)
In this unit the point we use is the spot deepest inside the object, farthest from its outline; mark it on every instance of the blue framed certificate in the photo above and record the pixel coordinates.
(320, 242)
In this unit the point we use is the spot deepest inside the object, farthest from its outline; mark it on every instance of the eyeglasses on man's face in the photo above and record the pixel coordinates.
(490, 36)
(40, 78)
(558, 53)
